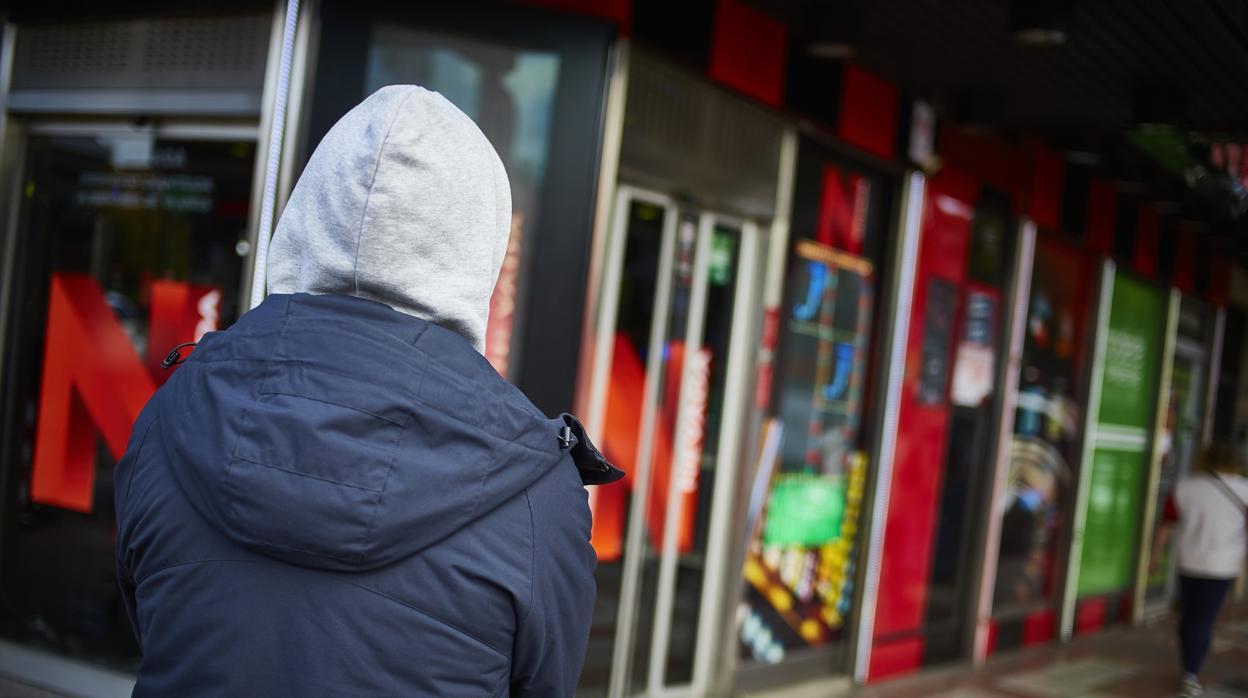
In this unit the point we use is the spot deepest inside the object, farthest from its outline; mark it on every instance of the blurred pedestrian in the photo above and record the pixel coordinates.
(338, 495)
(1208, 511)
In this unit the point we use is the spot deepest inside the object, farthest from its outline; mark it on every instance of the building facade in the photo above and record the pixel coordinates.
(890, 393)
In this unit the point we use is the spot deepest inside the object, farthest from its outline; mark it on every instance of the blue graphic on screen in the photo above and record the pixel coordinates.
(840, 377)
(814, 292)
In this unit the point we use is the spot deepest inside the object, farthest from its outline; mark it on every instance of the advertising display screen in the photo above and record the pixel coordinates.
(799, 567)
(1120, 440)
(1044, 448)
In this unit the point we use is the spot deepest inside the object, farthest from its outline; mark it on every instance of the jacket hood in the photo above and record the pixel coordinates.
(336, 433)
(404, 202)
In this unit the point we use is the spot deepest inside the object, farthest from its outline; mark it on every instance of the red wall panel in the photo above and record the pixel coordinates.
(618, 11)
(869, 112)
(1147, 236)
(1090, 615)
(909, 526)
(1102, 212)
(987, 158)
(748, 51)
(1044, 188)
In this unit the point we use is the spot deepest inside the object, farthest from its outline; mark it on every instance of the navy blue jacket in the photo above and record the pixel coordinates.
(334, 498)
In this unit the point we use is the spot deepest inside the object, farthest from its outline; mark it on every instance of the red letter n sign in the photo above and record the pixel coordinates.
(92, 378)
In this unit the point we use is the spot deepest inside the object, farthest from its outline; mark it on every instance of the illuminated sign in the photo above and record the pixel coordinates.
(94, 382)
(620, 444)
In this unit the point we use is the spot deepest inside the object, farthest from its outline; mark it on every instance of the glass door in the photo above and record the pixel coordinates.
(667, 400)
(128, 243)
(1181, 429)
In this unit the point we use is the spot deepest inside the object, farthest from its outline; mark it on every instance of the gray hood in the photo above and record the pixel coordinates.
(404, 202)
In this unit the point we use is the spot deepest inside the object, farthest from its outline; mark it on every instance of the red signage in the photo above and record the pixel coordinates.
(95, 383)
(843, 210)
(498, 329)
(620, 444)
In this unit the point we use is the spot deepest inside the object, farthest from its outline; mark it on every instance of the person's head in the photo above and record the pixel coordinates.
(1219, 457)
(403, 202)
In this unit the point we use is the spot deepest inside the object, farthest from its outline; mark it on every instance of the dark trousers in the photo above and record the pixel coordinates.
(1199, 601)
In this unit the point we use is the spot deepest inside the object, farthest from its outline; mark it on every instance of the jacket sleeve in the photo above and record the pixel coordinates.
(552, 634)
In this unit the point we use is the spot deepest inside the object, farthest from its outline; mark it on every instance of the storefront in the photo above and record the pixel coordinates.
(851, 399)
(130, 149)
(1180, 435)
(1043, 452)
(807, 504)
(134, 148)
(1116, 453)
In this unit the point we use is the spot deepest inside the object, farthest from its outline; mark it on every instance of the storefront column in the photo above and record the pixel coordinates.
(10, 169)
(1155, 454)
(273, 108)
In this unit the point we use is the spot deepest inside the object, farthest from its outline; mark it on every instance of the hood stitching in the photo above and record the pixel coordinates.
(489, 466)
(532, 559)
(359, 235)
(376, 514)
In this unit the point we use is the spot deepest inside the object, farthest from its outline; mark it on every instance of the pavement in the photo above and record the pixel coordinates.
(1141, 662)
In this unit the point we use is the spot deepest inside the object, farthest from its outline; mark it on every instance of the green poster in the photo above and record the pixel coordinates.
(1119, 461)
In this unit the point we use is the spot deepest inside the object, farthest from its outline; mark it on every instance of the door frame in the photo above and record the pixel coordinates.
(735, 402)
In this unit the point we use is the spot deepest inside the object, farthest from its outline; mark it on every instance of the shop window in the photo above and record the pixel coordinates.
(128, 245)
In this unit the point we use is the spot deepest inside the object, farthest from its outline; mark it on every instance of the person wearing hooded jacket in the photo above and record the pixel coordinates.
(338, 495)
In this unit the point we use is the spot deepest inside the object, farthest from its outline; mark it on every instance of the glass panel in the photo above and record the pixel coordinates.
(510, 93)
(666, 464)
(799, 567)
(129, 246)
(1044, 450)
(1124, 421)
(696, 467)
(1179, 440)
(969, 461)
(621, 434)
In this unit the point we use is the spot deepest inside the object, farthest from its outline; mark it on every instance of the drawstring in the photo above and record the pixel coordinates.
(175, 357)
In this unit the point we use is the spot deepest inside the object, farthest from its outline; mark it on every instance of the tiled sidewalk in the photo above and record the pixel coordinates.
(1122, 661)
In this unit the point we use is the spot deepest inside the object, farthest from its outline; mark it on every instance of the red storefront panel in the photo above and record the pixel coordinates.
(922, 426)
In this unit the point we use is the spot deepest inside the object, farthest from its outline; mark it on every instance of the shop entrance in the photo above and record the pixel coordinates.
(127, 242)
(669, 384)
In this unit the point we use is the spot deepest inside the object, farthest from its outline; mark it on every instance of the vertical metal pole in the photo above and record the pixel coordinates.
(904, 263)
(597, 334)
(1153, 475)
(1079, 520)
(303, 66)
(273, 156)
(1007, 379)
(727, 463)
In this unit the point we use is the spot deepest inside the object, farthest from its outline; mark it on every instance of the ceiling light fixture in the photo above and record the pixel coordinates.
(1041, 22)
(830, 29)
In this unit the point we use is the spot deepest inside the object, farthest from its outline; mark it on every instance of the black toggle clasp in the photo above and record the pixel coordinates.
(175, 357)
(566, 439)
